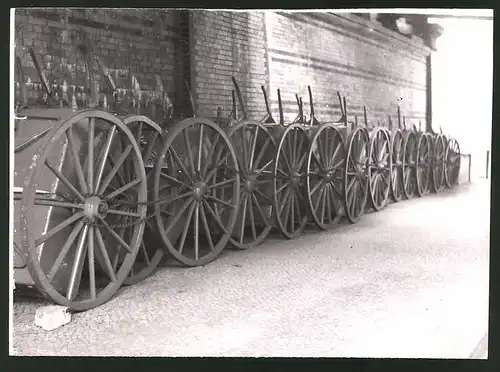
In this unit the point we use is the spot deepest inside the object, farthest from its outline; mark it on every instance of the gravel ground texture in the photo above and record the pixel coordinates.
(410, 281)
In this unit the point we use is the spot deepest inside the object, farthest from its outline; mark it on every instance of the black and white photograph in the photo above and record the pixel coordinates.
(250, 182)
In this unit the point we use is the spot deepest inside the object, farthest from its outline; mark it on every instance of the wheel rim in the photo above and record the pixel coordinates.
(397, 184)
(90, 221)
(379, 169)
(149, 137)
(325, 169)
(202, 172)
(438, 164)
(453, 162)
(290, 180)
(255, 148)
(356, 180)
(423, 165)
(409, 165)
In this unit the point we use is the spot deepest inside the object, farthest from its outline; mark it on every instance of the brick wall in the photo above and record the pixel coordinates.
(226, 44)
(368, 64)
(142, 42)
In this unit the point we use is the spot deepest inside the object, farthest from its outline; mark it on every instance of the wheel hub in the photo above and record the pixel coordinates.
(329, 176)
(295, 180)
(249, 183)
(199, 191)
(95, 207)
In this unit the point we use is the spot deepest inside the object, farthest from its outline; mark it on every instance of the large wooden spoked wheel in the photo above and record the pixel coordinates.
(409, 164)
(397, 184)
(356, 174)
(438, 163)
(379, 168)
(423, 164)
(84, 215)
(452, 165)
(289, 183)
(325, 171)
(149, 137)
(255, 148)
(196, 215)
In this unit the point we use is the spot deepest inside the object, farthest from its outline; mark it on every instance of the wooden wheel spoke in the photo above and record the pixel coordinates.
(292, 211)
(253, 147)
(283, 203)
(318, 163)
(64, 250)
(76, 161)
(283, 174)
(264, 196)
(350, 185)
(318, 185)
(124, 188)
(90, 162)
(104, 156)
(117, 237)
(223, 183)
(328, 203)
(178, 214)
(259, 208)
(282, 187)
(76, 270)
(206, 228)
(180, 163)
(200, 150)
(175, 198)
(65, 181)
(55, 203)
(91, 263)
(172, 179)
(197, 232)
(301, 161)
(188, 149)
(252, 217)
(187, 223)
(215, 217)
(282, 156)
(124, 213)
(244, 204)
(104, 252)
(319, 199)
(58, 228)
(262, 170)
(145, 254)
(244, 158)
(219, 201)
(262, 151)
(211, 154)
(334, 156)
(114, 170)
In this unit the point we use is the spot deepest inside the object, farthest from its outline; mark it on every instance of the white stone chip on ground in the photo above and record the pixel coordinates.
(52, 317)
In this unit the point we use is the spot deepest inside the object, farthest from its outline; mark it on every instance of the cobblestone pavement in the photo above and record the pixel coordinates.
(409, 281)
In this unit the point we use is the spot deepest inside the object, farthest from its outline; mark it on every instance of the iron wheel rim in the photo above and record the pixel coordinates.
(255, 171)
(200, 184)
(85, 249)
(409, 160)
(397, 165)
(282, 165)
(356, 174)
(140, 272)
(331, 167)
(380, 159)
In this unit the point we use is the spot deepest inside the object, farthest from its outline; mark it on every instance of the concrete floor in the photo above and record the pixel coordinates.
(407, 282)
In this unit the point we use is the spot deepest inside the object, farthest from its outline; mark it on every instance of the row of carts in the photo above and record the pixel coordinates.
(101, 198)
